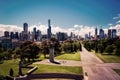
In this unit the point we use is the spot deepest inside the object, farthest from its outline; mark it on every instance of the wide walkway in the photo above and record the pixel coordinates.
(93, 67)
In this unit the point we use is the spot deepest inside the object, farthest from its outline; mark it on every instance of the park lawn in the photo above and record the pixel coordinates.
(7, 64)
(117, 71)
(69, 56)
(57, 69)
(108, 58)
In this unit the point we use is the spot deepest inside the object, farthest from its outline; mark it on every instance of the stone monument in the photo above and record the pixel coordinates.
(51, 49)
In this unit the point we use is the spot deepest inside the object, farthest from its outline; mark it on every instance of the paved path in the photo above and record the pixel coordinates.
(96, 69)
(93, 67)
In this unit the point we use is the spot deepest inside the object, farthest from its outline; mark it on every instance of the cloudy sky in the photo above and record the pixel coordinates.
(78, 16)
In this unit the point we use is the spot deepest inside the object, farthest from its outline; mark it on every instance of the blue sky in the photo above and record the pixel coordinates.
(63, 13)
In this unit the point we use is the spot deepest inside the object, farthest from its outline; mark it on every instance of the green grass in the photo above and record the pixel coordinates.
(7, 64)
(69, 56)
(117, 71)
(109, 58)
(57, 69)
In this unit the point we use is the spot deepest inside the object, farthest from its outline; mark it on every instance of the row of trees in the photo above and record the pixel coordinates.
(71, 46)
(105, 46)
(30, 50)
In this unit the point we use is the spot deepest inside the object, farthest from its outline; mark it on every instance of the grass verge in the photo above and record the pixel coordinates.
(57, 69)
(117, 71)
(7, 64)
(69, 56)
(108, 58)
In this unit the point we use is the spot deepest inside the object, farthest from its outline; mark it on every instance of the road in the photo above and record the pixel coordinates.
(95, 69)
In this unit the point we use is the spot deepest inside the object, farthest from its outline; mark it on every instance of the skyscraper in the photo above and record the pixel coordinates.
(25, 27)
(109, 33)
(114, 33)
(25, 32)
(6, 34)
(101, 34)
(95, 33)
(49, 29)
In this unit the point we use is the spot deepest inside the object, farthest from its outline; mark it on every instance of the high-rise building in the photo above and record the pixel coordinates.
(49, 30)
(101, 34)
(11, 35)
(61, 36)
(25, 32)
(25, 27)
(109, 33)
(39, 36)
(95, 33)
(16, 35)
(6, 34)
(114, 33)
(34, 33)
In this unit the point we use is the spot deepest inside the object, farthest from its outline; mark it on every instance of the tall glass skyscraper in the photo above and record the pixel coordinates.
(49, 29)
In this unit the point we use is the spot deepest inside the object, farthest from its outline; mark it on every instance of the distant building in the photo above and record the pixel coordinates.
(101, 34)
(39, 35)
(49, 30)
(95, 33)
(34, 33)
(114, 32)
(6, 34)
(6, 43)
(25, 32)
(61, 36)
(109, 33)
(11, 35)
(25, 27)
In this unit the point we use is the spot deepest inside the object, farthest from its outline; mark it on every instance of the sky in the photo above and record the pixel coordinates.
(65, 15)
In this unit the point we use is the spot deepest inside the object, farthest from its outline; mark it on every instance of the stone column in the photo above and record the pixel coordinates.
(51, 50)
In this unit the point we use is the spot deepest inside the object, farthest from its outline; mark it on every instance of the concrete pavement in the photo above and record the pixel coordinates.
(96, 69)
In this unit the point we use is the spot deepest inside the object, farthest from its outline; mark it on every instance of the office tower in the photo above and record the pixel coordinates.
(11, 35)
(39, 36)
(49, 30)
(25, 27)
(101, 34)
(34, 33)
(114, 33)
(6, 34)
(16, 35)
(95, 33)
(109, 33)
(61, 36)
(25, 32)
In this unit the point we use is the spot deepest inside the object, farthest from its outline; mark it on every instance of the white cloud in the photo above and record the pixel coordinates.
(117, 27)
(11, 28)
(117, 17)
(110, 24)
(118, 21)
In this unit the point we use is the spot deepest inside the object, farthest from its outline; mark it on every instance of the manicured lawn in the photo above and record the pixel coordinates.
(117, 71)
(57, 69)
(109, 58)
(69, 56)
(7, 64)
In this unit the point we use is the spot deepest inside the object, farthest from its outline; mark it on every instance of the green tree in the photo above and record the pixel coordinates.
(109, 49)
(44, 48)
(29, 50)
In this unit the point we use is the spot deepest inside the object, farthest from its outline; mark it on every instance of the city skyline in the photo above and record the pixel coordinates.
(76, 16)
